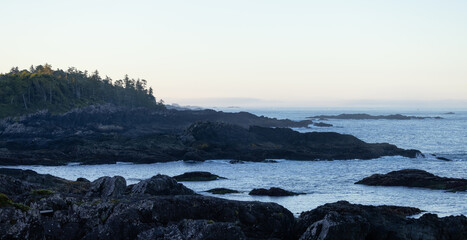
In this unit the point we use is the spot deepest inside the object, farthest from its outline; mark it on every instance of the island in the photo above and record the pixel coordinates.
(364, 116)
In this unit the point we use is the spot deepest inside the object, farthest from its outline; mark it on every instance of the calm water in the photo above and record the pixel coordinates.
(328, 181)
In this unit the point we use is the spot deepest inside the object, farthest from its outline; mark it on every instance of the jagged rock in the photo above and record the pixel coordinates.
(415, 178)
(197, 176)
(107, 187)
(274, 191)
(342, 220)
(160, 185)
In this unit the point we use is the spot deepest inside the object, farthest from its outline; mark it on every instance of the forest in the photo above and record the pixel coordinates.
(41, 87)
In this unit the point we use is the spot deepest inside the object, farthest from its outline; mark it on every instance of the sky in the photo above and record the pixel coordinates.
(254, 52)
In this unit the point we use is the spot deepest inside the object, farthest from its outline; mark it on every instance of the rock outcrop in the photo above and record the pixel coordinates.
(156, 208)
(225, 141)
(415, 178)
(106, 134)
(342, 220)
(161, 208)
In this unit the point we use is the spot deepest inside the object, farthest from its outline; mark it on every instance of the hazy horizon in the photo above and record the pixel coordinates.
(254, 53)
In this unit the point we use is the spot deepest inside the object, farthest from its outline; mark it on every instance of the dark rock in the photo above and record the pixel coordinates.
(322, 124)
(235, 161)
(80, 179)
(13, 186)
(65, 215)
(192, 156)
(196, 230)
(160, 185)
(443, 158)
(159, 217)
(342, 220)
(450, 113)
(224, 141)
(415, 178)
(33, 180)
(108, 134)
(364, 116)
(107, 187)
(221, 191)
(272, 192)
(197, 176)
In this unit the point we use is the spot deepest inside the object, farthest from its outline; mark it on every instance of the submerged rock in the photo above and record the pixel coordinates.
(197, 176)
(322, 124)
(415, 178)
(274, 191)
(221, 191)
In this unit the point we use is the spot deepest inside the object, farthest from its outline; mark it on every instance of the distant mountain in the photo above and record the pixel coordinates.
(58, 91)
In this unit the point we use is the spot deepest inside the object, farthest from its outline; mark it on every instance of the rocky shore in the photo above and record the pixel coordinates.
(415, 178)
(37, 206)
(108, 134)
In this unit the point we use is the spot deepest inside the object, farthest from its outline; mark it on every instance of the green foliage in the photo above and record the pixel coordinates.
(27, 91)
(7, 202)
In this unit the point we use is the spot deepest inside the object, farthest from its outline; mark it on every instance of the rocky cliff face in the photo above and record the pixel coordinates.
(47, 207)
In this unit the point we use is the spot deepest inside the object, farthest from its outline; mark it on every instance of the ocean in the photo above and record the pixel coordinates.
(327, 181)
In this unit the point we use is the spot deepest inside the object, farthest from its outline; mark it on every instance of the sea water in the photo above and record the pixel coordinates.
(326, 181)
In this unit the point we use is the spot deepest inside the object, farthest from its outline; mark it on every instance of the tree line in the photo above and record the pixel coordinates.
(41, 87)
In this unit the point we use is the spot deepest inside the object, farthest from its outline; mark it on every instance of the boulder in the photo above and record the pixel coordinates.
(107, 187)
(160, 185)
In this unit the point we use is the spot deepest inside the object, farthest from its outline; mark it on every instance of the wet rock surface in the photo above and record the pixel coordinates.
(273, 192)
(197, 176)
(161, 208)
(415, 178)
(221, 191)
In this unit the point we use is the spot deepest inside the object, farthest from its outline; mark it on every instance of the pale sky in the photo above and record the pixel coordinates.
(253, 52)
